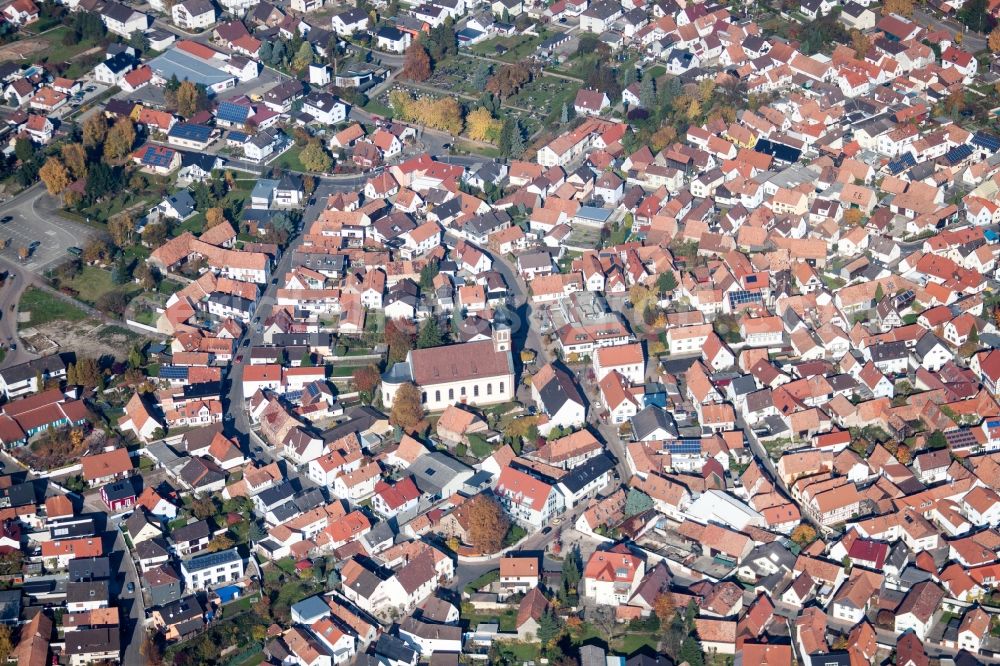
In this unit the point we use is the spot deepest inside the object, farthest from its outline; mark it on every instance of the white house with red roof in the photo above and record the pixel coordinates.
(590, 102)
(391, 499)
(612, 576)
(960, 60)
(529, 501)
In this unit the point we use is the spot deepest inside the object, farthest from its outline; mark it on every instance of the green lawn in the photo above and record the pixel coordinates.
(93, 282)
(632, 642)
(378, 108)
(483, 581)
(290, 159)
(518, 47)
(45, 307)
(57, 52)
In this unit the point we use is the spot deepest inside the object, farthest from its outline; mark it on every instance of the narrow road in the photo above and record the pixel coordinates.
(239, 420)
(132, 605)
(971, 41)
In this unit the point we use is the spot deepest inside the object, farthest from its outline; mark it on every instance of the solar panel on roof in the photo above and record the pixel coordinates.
(232, 113)
(901, 164)
(237, 136)
(958, 153)
(191, 132)
(158, 158)
(993, 424)
(173, 372)
(684, 447)
(745, 297)
(987, 141)
(958, 439)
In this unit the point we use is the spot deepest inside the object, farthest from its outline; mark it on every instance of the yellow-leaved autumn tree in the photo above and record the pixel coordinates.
(482, 126)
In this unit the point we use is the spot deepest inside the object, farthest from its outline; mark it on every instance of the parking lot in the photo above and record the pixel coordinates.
(34, 218)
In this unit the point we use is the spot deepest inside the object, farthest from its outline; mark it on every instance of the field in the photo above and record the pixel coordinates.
(45, 308)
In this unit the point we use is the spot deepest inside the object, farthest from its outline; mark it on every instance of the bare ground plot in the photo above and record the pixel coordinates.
(87, 338)
(22, 49)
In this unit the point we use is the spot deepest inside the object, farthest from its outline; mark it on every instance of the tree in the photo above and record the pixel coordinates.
(444, 114)
(95, 130)
(854, 217)
(55, 176)
(6, 644)
(488, 524)
(407, 408)
(427, 275)
(154, 235)
(430, 334)
(203, 507)
(214, 217)
(75, 159)
(96, 251)
(994, 40)
(24, 150)
(509, 79)
(511, 138)
(88, 373)
(303, 57)
(901, 7)
(187, 99)
(879, 293)
(416, 64)
(572, 571)
(265, 52)
(666, 282)
(315, 158)
(120, 139)
(637, 502)
(366, 380)
(664, 607)
(220, 542)
(399, 341)
(804, 534)
(112, 302)
(482, 126)
(11, 563)
(647, 92)
(976, 16)
(662, 138)
(691, 652)
(549, 627)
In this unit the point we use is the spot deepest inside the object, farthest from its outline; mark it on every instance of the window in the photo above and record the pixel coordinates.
(475, 391)
(489, 389)
(437, 396)
(501, 388)
(463, 391)
(423, 396)
(451, 394)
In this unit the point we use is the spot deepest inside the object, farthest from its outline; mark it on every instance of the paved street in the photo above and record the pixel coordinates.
(35, 218)
(233, 402)
(971, 41)
(132, 605)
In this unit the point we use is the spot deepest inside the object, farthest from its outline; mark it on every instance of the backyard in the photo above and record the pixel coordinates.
(92, 283)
